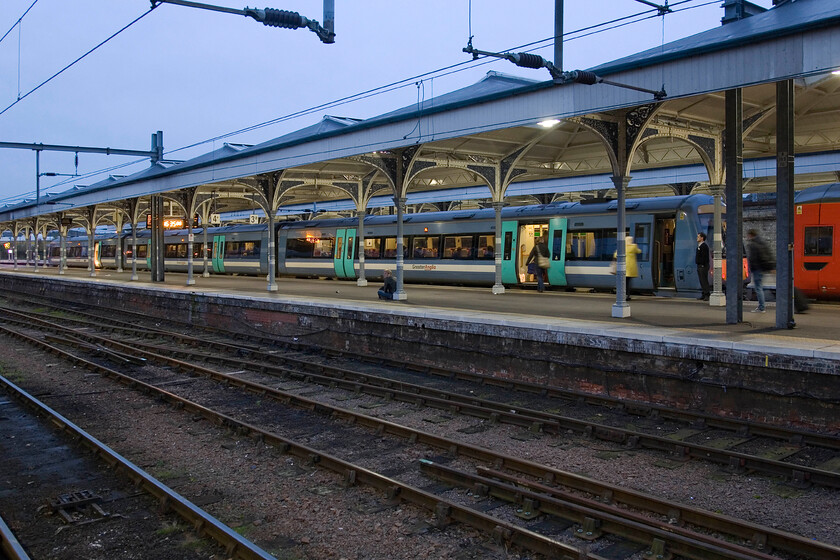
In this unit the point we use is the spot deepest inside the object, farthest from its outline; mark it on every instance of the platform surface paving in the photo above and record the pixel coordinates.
(674, 320)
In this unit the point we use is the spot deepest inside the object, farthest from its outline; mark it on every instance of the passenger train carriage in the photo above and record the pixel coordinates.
(459, 247)
(449, 247)
(816, 241)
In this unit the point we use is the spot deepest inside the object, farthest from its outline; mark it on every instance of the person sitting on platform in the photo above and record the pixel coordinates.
(389, 287)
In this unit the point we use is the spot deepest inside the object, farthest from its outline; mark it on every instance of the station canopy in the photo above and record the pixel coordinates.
(337, 163)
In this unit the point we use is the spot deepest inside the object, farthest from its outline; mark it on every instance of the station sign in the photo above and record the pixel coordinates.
(172, 222)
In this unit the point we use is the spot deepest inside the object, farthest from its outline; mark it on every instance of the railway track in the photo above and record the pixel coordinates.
(112, 509)
(802, 458)
(490, 480)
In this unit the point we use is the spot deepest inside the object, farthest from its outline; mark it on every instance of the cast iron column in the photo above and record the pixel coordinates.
(733, 154)
(784, 204)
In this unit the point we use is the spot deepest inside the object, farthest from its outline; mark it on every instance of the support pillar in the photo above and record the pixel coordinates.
(784, 204)
(134, 276)
(35, 254)
(734, 158)
(400, 293)
(190, 245)
(157, 247)
(621, 308)
(91, 250)
(498, 287)
(360, 235)
(717, 297)
(272, 253)
(62, 252)
(205, 225)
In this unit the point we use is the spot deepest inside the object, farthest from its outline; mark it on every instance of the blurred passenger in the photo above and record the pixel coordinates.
(759, 261)
(542, 258)
(630, 251)
(701, 260)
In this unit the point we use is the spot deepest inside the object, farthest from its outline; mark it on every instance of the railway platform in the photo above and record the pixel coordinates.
(684, 320)
(671, 350)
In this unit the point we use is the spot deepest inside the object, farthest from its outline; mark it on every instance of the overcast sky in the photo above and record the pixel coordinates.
(196, 74)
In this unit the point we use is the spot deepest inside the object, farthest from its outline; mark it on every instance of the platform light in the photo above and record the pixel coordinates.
(548, 123)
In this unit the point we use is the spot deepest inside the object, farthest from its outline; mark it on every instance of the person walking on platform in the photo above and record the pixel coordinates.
(389, 287)
(759, 261)
(702, 262)
(630, 252)
(542, 258)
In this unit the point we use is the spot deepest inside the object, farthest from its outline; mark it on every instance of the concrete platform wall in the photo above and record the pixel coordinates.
(758, 385)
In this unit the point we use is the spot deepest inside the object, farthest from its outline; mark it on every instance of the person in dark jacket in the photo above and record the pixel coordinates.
(701, 259)
(758, 260)
(540, 250)
(389, 287)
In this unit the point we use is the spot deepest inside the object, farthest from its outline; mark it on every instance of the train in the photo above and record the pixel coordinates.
(459, 247)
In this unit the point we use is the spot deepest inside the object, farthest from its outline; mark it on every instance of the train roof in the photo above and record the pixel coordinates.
(820, 193)
(657, 204)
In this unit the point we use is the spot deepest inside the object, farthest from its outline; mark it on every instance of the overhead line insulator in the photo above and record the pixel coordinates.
(278, 18)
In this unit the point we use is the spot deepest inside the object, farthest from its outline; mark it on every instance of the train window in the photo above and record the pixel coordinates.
(458, 247)
(142, 251)
(486, 246)
(338, 247)
(176, 251)
(641, 235)
(425, 247)
(350, 247)
(391, 248)
(108, 251)
(819, 241)
(299, 248)
(593, 245)
(508, 245)
(372, 248)
(240, 249)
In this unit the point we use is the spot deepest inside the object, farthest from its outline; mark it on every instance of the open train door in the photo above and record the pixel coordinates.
(148, 254)
(218, 253)
(509, 243)
(557, 246)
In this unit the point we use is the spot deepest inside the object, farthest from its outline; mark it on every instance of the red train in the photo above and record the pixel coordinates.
(816, 247)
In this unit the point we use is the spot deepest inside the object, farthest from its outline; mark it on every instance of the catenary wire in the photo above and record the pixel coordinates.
(33, 90)
(445, 71)
(15, 24)
(407, 82)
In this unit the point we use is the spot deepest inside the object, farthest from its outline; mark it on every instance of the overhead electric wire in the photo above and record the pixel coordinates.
(393, 86)
(406, 82)
(15, 24)
(33, 90)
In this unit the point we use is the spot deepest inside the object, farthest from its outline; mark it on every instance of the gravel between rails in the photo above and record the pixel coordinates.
(299, 513)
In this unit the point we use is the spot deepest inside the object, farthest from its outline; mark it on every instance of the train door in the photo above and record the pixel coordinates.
(529, 235)
(557, 246)
(510, 253)
(219, 253)
(338, 254)
(349, 253)
(662, 255)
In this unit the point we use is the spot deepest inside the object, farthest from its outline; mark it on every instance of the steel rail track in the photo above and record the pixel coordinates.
(741, 427)
(779, 539)
(496, 411)
(445, 510)
(9, 545)
(595, 518)
(235, 545)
